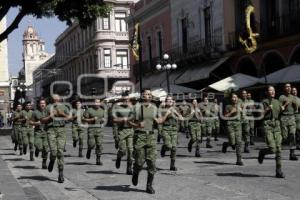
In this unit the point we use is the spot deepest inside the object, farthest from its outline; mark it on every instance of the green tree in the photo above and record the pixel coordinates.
(83, 11)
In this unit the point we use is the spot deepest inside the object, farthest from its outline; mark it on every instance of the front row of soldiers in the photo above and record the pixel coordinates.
(134, 125)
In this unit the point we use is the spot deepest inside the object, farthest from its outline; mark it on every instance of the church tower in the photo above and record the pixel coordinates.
(33, 53)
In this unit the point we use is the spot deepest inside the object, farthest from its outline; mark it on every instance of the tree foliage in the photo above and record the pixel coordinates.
(83, 11)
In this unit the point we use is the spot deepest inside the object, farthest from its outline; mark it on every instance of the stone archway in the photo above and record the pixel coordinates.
(295, 56)
(272, 61)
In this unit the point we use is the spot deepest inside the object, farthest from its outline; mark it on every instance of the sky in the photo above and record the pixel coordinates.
(48, 29)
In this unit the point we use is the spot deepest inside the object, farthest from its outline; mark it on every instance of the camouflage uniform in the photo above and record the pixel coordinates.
(297, 117)
(216, 121)
(272, 130)
(169, 134)
(207, 123)
(95, 132)
(245, 124)
(17, 135)
(234, 130)
(125, 136)
(288, 123)
(195, 131)
(144, 142)
(251, 121)
(27, 132)
(56, 134)
(78, 129)
(184, 110)
(40, 136)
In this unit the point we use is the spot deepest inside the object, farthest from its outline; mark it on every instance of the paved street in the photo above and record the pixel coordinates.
(213, 176)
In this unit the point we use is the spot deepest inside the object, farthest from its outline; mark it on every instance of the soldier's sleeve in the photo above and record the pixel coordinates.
(86, 114)
(282, 99)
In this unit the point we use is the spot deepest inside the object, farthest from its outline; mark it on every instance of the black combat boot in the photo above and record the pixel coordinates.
(208, 145)
(80, 153)
(252, 140)
(149, 188)
(31, 156)
(74, 143)
(98, 161)
(279, 173)
(61, 176)
(25, 149)
(129, 168)
(190, 145)
(118, 161)
(51, 163)
(163, 151)
(172, 166)
(135, 178)
(36, 153)
(292, 155)
(16, 146)
(261, 155)
(44, 164)
(239, 161)
(224, 147)
(88, 153)
(197, 152)
(246, 147)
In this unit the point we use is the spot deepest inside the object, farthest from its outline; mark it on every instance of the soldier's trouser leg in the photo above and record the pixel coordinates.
(45, 148)
(31, 139)
(25, 136)
(75, 133)
(81, 137)
(288, 128)
(238, 140)
(38, 141)
(167, 139)
(57, 139)
(173, 136)
(251, 128)
(98, 140)
(245, 131)
(20, 139)
(91, 139)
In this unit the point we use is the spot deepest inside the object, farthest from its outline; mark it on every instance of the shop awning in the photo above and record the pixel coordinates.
(200, 72)
(285, 75)
(235, 82)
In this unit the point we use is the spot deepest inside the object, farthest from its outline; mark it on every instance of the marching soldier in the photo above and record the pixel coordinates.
(287, 119)
(251, 121)
(234, 128)
(243, 102)
(122, 114)
(77, 126)
(297, 117)
(169, 120)
(145, 115)
(17, 129)
(95, 116)
(272, 130)
(195, 118)
(40, 135)
(56, 114)
(216, 120)
(27, 129)
(184, 111)
(207, 123)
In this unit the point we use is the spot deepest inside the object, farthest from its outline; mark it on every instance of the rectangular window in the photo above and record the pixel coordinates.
(122, 59)
(107, 58)
(121, 25)
(106, 23)
(159, 44)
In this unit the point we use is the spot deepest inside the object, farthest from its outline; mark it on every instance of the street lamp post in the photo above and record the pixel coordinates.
(23, 89)
(165, 65)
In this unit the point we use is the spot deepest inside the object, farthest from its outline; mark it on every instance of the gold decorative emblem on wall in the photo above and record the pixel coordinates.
(249, 42)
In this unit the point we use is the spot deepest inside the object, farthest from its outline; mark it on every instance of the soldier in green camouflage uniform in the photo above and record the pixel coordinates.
(207, 109)
(243, 102)
(287, 119)
(17, 131)
(56, 114)
(216, 120)
(77, 126)
(95, 116)
(144, 139)
(27, 130)
(184, 110)
(234, 127)
(250, 115)
(194, 119)
(123, 112)
(272, 130)
(297, 117)
(40, 135)
(169, 119)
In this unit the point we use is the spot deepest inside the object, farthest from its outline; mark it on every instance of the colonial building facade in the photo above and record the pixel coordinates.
(96, 57)
(203, 39)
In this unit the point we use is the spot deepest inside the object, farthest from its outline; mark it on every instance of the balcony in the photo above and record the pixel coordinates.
(112, 35)
(114, 73)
